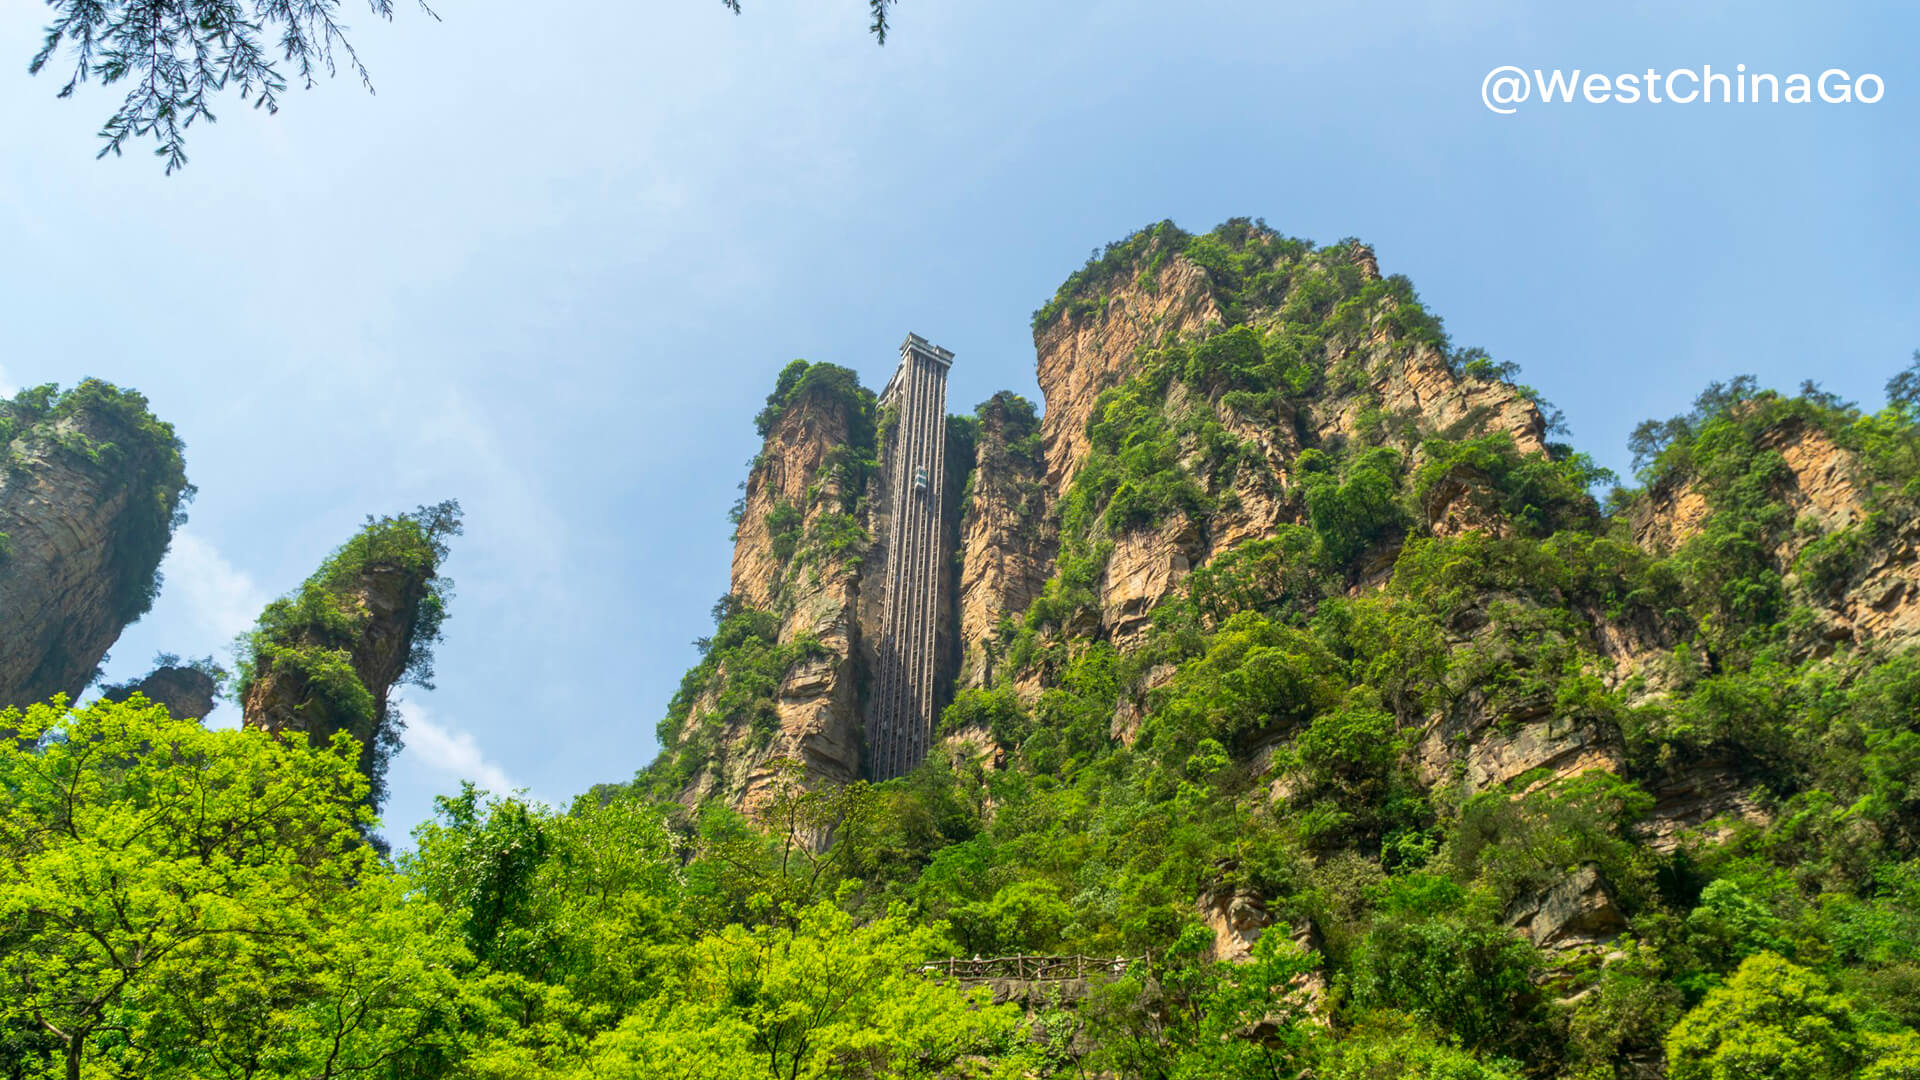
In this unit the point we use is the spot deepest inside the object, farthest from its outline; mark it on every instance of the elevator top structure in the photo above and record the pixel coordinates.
(917, 347)
(900, 713)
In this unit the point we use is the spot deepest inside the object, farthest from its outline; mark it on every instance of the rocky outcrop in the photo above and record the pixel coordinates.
(818, 727)
(1417, 383)
(1237, 916)
(1461, 504)
(1006, 541)
(810, 550)
(1081, 353)
(782, 499)
(1819, 488)
(1486, 750)
(1670, 514)
(1131, 709)
(1822, 488)
(1148, 565)
(1882, 600)
(1875, 598)
(288, 694)
(325, 658)
(1701, 800)
(90, 490)
(1145, 567)
(1577, 910)
(798, 552)
(187, 692)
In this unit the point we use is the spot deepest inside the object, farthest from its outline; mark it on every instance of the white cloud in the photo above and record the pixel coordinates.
(220, 598)
(450, 752)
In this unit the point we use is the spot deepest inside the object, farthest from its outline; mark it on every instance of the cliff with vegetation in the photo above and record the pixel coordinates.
(1316, 711)
(92, 486)
(324, 659)
(781, 677)
(1292, 614)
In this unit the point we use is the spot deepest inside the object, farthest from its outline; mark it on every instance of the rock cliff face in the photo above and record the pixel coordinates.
(1846, 547)
(1414, 381)
(1207, 394)
(1289, 618)
(801, 540)
(285, 694)
(792, 482)
(1386, 386)
(1092, 348)
(1818, 486)
(1578, 910)
(1105, 329)
(808, 562)
(91, 487)
(1873, 594)
(1006, 539)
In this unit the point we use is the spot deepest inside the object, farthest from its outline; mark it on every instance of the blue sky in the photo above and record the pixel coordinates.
(554, 265)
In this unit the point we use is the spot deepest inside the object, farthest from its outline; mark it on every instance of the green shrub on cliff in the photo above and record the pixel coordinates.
(801, 379)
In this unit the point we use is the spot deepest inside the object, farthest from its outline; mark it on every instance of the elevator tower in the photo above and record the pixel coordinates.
(900, 714)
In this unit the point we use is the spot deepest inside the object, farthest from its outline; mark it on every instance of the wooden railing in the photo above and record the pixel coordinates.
(1029, 968)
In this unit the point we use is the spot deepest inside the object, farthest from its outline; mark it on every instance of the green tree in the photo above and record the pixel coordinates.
(182, 902)
(1400, 1051)
(1188, 1017)
(1458, 973)
(588, 900)
(821, 997)
(1774, 1020)
(782, 862)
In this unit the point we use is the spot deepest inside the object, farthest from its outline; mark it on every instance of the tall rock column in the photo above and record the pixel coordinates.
(1006, 538)
(325, 658)
(780, 679)
(91, 487)
(900, 714)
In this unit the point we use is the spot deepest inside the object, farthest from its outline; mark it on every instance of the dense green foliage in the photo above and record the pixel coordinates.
(1203, 427)
(314, 643)
(110, 431)
(1295, 716)
(184, 903)
(1282, 727)
(1774, 1018)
